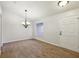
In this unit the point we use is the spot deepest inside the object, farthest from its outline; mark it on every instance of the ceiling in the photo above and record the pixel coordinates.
(36, 9)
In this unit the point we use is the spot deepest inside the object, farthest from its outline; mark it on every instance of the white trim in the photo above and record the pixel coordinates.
(16, 40)
(76, 50)
(46, 41)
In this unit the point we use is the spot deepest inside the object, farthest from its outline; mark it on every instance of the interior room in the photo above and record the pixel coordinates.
(39, 29)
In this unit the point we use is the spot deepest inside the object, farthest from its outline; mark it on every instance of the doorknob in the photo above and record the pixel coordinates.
(60, 33)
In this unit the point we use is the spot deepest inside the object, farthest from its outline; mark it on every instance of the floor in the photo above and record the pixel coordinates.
(33, 48)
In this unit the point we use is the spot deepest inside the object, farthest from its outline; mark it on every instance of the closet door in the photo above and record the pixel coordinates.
(69, 34)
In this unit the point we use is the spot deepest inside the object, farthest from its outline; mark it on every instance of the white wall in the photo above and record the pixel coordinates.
(13, 30)
(52, 29)
(0, 30)
(0, 35)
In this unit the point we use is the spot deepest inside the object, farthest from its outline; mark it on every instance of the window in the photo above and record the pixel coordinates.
(39, 27)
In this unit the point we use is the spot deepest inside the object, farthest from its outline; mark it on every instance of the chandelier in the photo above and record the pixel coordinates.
(62, 3)
(25, 23)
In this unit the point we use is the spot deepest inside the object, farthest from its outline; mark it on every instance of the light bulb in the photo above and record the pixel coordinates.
(28, 23)
(23, 23)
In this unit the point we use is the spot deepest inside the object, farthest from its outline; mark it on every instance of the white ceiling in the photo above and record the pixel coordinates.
(37, 9)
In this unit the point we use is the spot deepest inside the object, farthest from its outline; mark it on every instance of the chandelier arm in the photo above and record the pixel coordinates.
(25, 24)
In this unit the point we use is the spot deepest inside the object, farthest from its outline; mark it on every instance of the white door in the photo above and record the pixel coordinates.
(69, 33)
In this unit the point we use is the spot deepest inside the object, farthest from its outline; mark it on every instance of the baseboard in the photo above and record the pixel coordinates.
(55, 44)
(16, 40)
(46, 41)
